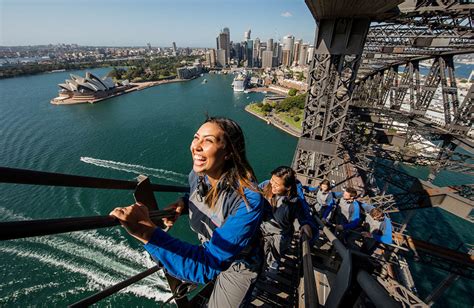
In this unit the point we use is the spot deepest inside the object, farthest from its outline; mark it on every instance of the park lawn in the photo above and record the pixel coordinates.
(284, 116)
(254, 108)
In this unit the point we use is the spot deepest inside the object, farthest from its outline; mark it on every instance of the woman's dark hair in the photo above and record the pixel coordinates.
(352, 192)
(288, 176)
(325, 182)
(238, 173)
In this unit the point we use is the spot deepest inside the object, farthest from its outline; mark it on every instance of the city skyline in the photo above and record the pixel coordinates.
(125, 23)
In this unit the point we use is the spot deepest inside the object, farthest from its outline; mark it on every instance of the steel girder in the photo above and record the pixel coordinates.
(331, 82)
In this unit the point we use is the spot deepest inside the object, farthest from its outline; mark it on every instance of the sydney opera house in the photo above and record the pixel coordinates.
(88, 89)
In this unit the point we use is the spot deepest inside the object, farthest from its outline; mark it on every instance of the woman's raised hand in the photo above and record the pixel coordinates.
(136, 220)
(178, 207)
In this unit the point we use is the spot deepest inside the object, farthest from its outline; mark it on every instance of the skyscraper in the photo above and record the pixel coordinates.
(296, 52)
(249, 53)
(247, 35)
(174, 49)
(211, 57)
(221, 57)
(223, 43)
(267, 59)
(256, 53)
(310, 54)
(288, 44)
(270, 44)
(237, 51)
(302, 60)
(286, 58)
(227, 31)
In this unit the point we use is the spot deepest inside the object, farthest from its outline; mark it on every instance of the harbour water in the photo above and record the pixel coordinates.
(145, 132)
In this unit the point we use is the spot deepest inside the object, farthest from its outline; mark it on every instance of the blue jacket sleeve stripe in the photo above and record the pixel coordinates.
(386, 237)
(355, 217)
(203, 263)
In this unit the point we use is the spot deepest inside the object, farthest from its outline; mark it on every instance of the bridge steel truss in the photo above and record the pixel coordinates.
(368, 101)
(357, 64)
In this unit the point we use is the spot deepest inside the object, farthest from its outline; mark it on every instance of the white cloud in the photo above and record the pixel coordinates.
(286, 14)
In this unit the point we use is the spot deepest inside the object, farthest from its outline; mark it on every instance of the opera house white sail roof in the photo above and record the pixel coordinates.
(90, 83)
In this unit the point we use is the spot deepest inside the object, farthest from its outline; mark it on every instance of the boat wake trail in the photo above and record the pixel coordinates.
(137, 169)
(102, 259)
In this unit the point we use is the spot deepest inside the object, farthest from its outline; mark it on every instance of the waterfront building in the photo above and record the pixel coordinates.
(188, 72)
(293, 84)
(88, 88)
(267, 59)
(221, 57)
(211, 57)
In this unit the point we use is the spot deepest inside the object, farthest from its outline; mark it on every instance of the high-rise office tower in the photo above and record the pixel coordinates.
(256, 51)
(211, 57)
(288, 44)
(267, 59)
(221, 57)
(229, 46)
(277, 53)
(270, 44)
(174, 47)
(310, 54)
(247, 35)
(286, 58)
(223, 43)
(249, 53)
(302, 60)
(237, 51)
(296, 51)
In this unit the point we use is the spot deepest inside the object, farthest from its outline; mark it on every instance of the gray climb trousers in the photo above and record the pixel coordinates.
(274, 245)
(233, 287)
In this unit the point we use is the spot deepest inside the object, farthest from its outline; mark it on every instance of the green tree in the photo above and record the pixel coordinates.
(292, 92)
(267, 108)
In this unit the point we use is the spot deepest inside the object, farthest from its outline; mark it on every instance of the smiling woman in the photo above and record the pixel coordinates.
(225, 210)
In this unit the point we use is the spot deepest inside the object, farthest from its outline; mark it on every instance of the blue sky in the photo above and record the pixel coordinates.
(190, 23)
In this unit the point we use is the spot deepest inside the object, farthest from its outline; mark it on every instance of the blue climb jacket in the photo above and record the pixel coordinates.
(291, 209)
(226, 232)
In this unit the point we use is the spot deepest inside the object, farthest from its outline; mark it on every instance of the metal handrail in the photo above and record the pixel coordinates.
(31, 177)
(115, 288)
(310, 292)
(346, 273)
(19, 229)
(143, 193)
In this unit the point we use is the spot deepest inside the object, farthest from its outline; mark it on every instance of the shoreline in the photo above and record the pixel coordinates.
(136, 86)
(275, 122)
